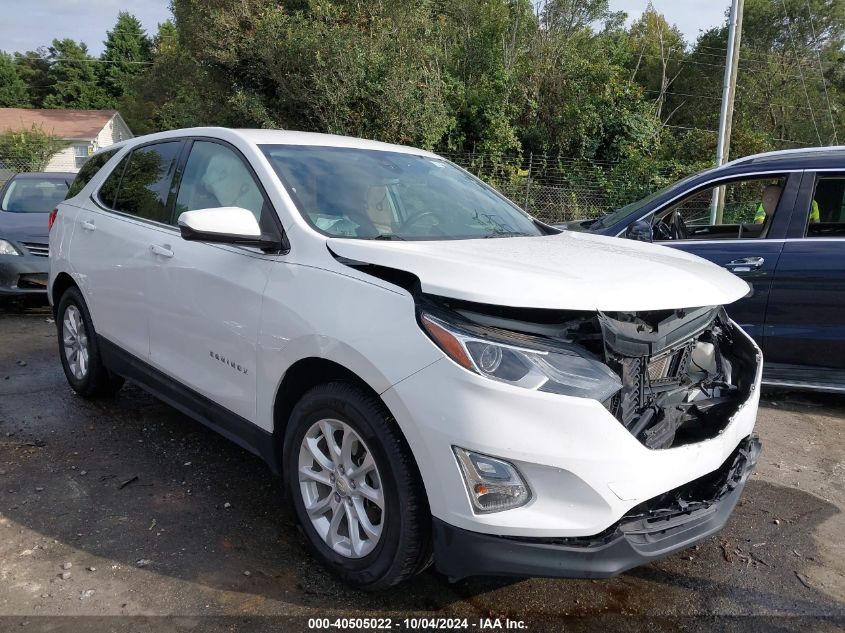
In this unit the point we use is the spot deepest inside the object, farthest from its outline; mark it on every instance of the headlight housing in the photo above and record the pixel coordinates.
(493, 484)
(7, 248)
(522, 360)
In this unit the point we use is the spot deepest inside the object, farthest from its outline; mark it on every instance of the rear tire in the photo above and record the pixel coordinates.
(367, 477)
(80, 351)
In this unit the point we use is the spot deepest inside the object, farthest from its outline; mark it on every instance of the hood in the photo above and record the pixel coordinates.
(569, 271)
(24, 226)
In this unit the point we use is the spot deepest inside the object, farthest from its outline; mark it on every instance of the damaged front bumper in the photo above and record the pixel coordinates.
(23, 275)
(654, 529)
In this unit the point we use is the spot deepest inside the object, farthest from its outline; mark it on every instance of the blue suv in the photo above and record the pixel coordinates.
(778, 221)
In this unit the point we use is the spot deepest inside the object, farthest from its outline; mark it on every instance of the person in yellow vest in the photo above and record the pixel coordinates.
(769, 202)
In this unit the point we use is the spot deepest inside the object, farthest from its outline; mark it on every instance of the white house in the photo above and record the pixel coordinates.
(85, 130)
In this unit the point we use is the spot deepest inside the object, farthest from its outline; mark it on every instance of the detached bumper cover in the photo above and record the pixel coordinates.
(652, 530)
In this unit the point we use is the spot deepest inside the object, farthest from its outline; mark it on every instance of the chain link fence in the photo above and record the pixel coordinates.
(556, 189)
(11, 166)
(552, 191)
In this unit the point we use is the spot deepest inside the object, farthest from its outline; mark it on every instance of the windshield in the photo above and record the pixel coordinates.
(372, 194)
(631, 209)
(33, 195)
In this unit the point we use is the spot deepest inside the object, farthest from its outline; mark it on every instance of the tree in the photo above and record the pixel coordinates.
(74, 78)
(127, 51)
(13, 92)
(656, 60)
(34, 70)
(29, 150)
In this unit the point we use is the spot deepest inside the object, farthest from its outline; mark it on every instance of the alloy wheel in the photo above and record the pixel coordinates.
(341, 488)
(75, 342)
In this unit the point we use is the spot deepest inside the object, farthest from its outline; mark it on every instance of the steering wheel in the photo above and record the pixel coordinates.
(412, 220)
(663, 232)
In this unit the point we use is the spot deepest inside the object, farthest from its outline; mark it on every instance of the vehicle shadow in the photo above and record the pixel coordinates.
(133, 483)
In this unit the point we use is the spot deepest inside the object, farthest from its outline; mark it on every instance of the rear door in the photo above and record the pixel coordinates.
(805, 321)
(111, 245)
(749, 250)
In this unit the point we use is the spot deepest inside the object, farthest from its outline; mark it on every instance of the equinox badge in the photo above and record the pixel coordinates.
(229, 362)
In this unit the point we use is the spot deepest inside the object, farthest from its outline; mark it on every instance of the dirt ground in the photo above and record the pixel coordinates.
(125, 507)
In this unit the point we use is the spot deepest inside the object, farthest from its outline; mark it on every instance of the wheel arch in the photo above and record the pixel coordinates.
(61, 283)
(298, 379)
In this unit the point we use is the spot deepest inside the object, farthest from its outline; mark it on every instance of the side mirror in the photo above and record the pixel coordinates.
(224, 225)
(641, 230)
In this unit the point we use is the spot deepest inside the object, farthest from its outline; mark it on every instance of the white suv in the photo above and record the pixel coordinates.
(434, 373)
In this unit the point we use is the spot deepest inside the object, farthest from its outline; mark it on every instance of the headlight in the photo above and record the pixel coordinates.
(6, 248)
(524, 361)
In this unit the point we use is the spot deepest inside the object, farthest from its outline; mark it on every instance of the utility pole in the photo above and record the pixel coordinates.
(726, 113)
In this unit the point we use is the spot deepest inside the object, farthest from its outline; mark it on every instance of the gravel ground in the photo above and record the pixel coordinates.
(125, 507)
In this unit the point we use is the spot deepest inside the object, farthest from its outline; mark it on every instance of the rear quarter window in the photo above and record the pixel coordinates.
(88, 171)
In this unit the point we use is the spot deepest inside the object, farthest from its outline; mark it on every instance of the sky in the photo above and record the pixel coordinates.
(690, 16)
(28, 24)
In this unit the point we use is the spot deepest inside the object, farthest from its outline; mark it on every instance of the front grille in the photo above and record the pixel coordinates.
(39, 249)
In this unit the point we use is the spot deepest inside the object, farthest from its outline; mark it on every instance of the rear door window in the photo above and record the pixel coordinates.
(145, 184)
(826, 217)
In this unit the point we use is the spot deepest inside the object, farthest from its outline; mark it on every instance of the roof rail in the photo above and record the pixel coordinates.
(787, 152)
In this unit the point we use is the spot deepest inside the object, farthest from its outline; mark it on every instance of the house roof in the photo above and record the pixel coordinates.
(66, 124)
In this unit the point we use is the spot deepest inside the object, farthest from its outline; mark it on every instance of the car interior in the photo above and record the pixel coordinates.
(830, 198)
(215, 177)
(744, 207)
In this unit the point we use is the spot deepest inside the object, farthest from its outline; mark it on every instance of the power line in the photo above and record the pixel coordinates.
(683, 61)
(757, 62)
(821, 72)
(701, 129)
(94, 61)
(803, 82)
(740, 99)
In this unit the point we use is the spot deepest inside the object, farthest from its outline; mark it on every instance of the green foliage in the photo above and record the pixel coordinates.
(127, 51)
(34, 70)
(74, 78)
(29, 150)
(13, 92)
(628, 109)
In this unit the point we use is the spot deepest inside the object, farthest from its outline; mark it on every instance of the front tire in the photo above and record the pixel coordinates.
(355, 487)
(80, 351)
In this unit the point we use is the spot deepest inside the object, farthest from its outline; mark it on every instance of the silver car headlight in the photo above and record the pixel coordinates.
(523, 361)
(7, 248)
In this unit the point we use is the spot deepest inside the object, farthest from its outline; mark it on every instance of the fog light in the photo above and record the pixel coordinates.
(493, 484)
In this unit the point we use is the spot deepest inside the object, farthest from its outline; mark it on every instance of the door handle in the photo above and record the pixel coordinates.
(161, 251)
(745, 264)
(88, 225)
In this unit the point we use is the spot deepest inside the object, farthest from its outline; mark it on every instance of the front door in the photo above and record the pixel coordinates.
(205, 299)
(750, 249)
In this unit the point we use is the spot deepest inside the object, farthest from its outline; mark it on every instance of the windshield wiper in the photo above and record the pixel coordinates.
(506, 234)
(389, 237)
